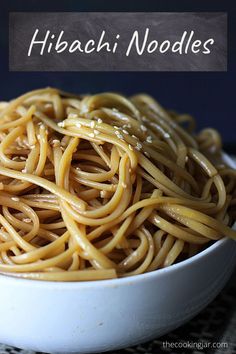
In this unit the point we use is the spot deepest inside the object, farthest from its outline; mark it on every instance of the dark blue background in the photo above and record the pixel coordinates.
(210, 97)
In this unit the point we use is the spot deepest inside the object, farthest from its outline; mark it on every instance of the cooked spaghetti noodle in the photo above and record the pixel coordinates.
(101, 186)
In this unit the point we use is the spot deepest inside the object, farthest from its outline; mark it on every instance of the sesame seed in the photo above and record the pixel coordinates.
(120, 136)
(61, 124)
(92, 124)
(96, 132)
(16, 199)
(115, 110)
(22, 158)
(100, 120)
(124, 185)
(32, 146)
(56, 143)
(125, 131)
(92, 135)
(102, 194)
(138, 146)
(115, 126)
(143, 128)
(131, 147)
(127, 125)
(149, 139)
(166, 135)
(78, 125)
(134, 136)
(27, 220)
(24, 170)
(146, 153)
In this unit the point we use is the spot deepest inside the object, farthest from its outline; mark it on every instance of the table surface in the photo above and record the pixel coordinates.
(215, 324)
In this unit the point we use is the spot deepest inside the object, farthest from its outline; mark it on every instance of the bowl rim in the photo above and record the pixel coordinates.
(73, 285)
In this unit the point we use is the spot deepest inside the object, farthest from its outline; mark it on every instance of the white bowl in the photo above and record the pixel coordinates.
(103, 315)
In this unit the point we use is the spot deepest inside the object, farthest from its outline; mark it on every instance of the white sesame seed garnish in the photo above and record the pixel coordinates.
(125, 131)
(96, 132)
(149, 139)
(138, 146)
(115, 126)
(100, 120)
(146, 153)
(78, 125)
(124, 185)
(78, 168)
(56, 143)
(42, 126)
(131, 147)
(186, 158)
(61, 124)
(115, 110)
(24, 170)
(27, 220)
(134, 136)
(127, 125)
(167, 135)
(102, 194)
(120, 136)
(92, 135)
(92, 124)
(22, 158)
(16, 199)
(143, 128)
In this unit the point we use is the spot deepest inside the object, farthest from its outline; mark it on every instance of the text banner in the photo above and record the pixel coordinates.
(118, 41)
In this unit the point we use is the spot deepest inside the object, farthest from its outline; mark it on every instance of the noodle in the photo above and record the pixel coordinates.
(101, 186)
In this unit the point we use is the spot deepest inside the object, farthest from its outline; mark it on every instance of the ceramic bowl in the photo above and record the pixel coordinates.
(90, 317)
